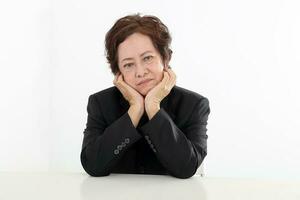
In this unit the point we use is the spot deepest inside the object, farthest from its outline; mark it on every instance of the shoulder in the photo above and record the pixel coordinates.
(188, 105)
(106, 98)
(106, 94)
(188, 96)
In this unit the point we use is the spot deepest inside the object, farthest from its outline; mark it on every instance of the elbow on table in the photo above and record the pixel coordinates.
(190, 170)
(93, 173)
(184, 175)
(88, 167)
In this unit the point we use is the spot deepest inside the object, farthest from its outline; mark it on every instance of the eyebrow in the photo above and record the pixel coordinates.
(140, 56)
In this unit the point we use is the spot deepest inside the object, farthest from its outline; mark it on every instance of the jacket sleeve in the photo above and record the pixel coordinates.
(180, 151)
(103, 145)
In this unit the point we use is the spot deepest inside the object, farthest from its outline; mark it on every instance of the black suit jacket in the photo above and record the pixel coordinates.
(173, 142)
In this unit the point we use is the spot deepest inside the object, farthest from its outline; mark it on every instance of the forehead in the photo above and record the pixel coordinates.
(134, 45)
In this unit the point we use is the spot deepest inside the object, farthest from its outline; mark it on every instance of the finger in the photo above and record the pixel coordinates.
(119, 79)
(166, 78)
(165, 81)
(116, 78)
(172, 73)
(172, 79)
(115, 81)
(122, 84)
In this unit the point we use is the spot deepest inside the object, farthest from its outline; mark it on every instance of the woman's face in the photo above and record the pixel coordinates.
(138, 60)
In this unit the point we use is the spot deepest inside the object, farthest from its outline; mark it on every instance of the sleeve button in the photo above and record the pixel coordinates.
(116, 152)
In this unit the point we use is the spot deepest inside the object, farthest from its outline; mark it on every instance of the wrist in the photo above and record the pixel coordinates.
(151, 111)
(150, 105)
(137, 109)
(153, 108)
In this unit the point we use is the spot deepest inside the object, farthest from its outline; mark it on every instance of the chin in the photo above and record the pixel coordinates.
(145, 91)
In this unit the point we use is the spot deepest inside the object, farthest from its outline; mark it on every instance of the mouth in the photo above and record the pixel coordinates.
(145, 82)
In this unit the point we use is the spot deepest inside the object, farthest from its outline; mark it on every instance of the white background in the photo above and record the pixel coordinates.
(242, 55)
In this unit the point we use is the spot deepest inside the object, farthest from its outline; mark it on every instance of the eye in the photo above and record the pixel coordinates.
(148, 58)
(127, 65)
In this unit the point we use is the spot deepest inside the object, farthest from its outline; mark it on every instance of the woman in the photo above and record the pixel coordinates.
(145, 124)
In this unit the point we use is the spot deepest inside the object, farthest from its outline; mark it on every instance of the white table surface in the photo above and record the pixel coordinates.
(73, 186)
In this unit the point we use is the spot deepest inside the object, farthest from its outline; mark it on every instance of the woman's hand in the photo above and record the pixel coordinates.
(159, 92)
(134, 98)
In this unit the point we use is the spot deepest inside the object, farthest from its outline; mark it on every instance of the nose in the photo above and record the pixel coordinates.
(141, 70)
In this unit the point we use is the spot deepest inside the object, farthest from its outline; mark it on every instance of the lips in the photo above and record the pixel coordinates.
(144, 81)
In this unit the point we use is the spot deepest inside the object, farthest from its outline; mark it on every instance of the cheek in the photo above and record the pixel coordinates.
(157, 65)
(129, 80)
(157, 69)
(159, 75)
(159, 72)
